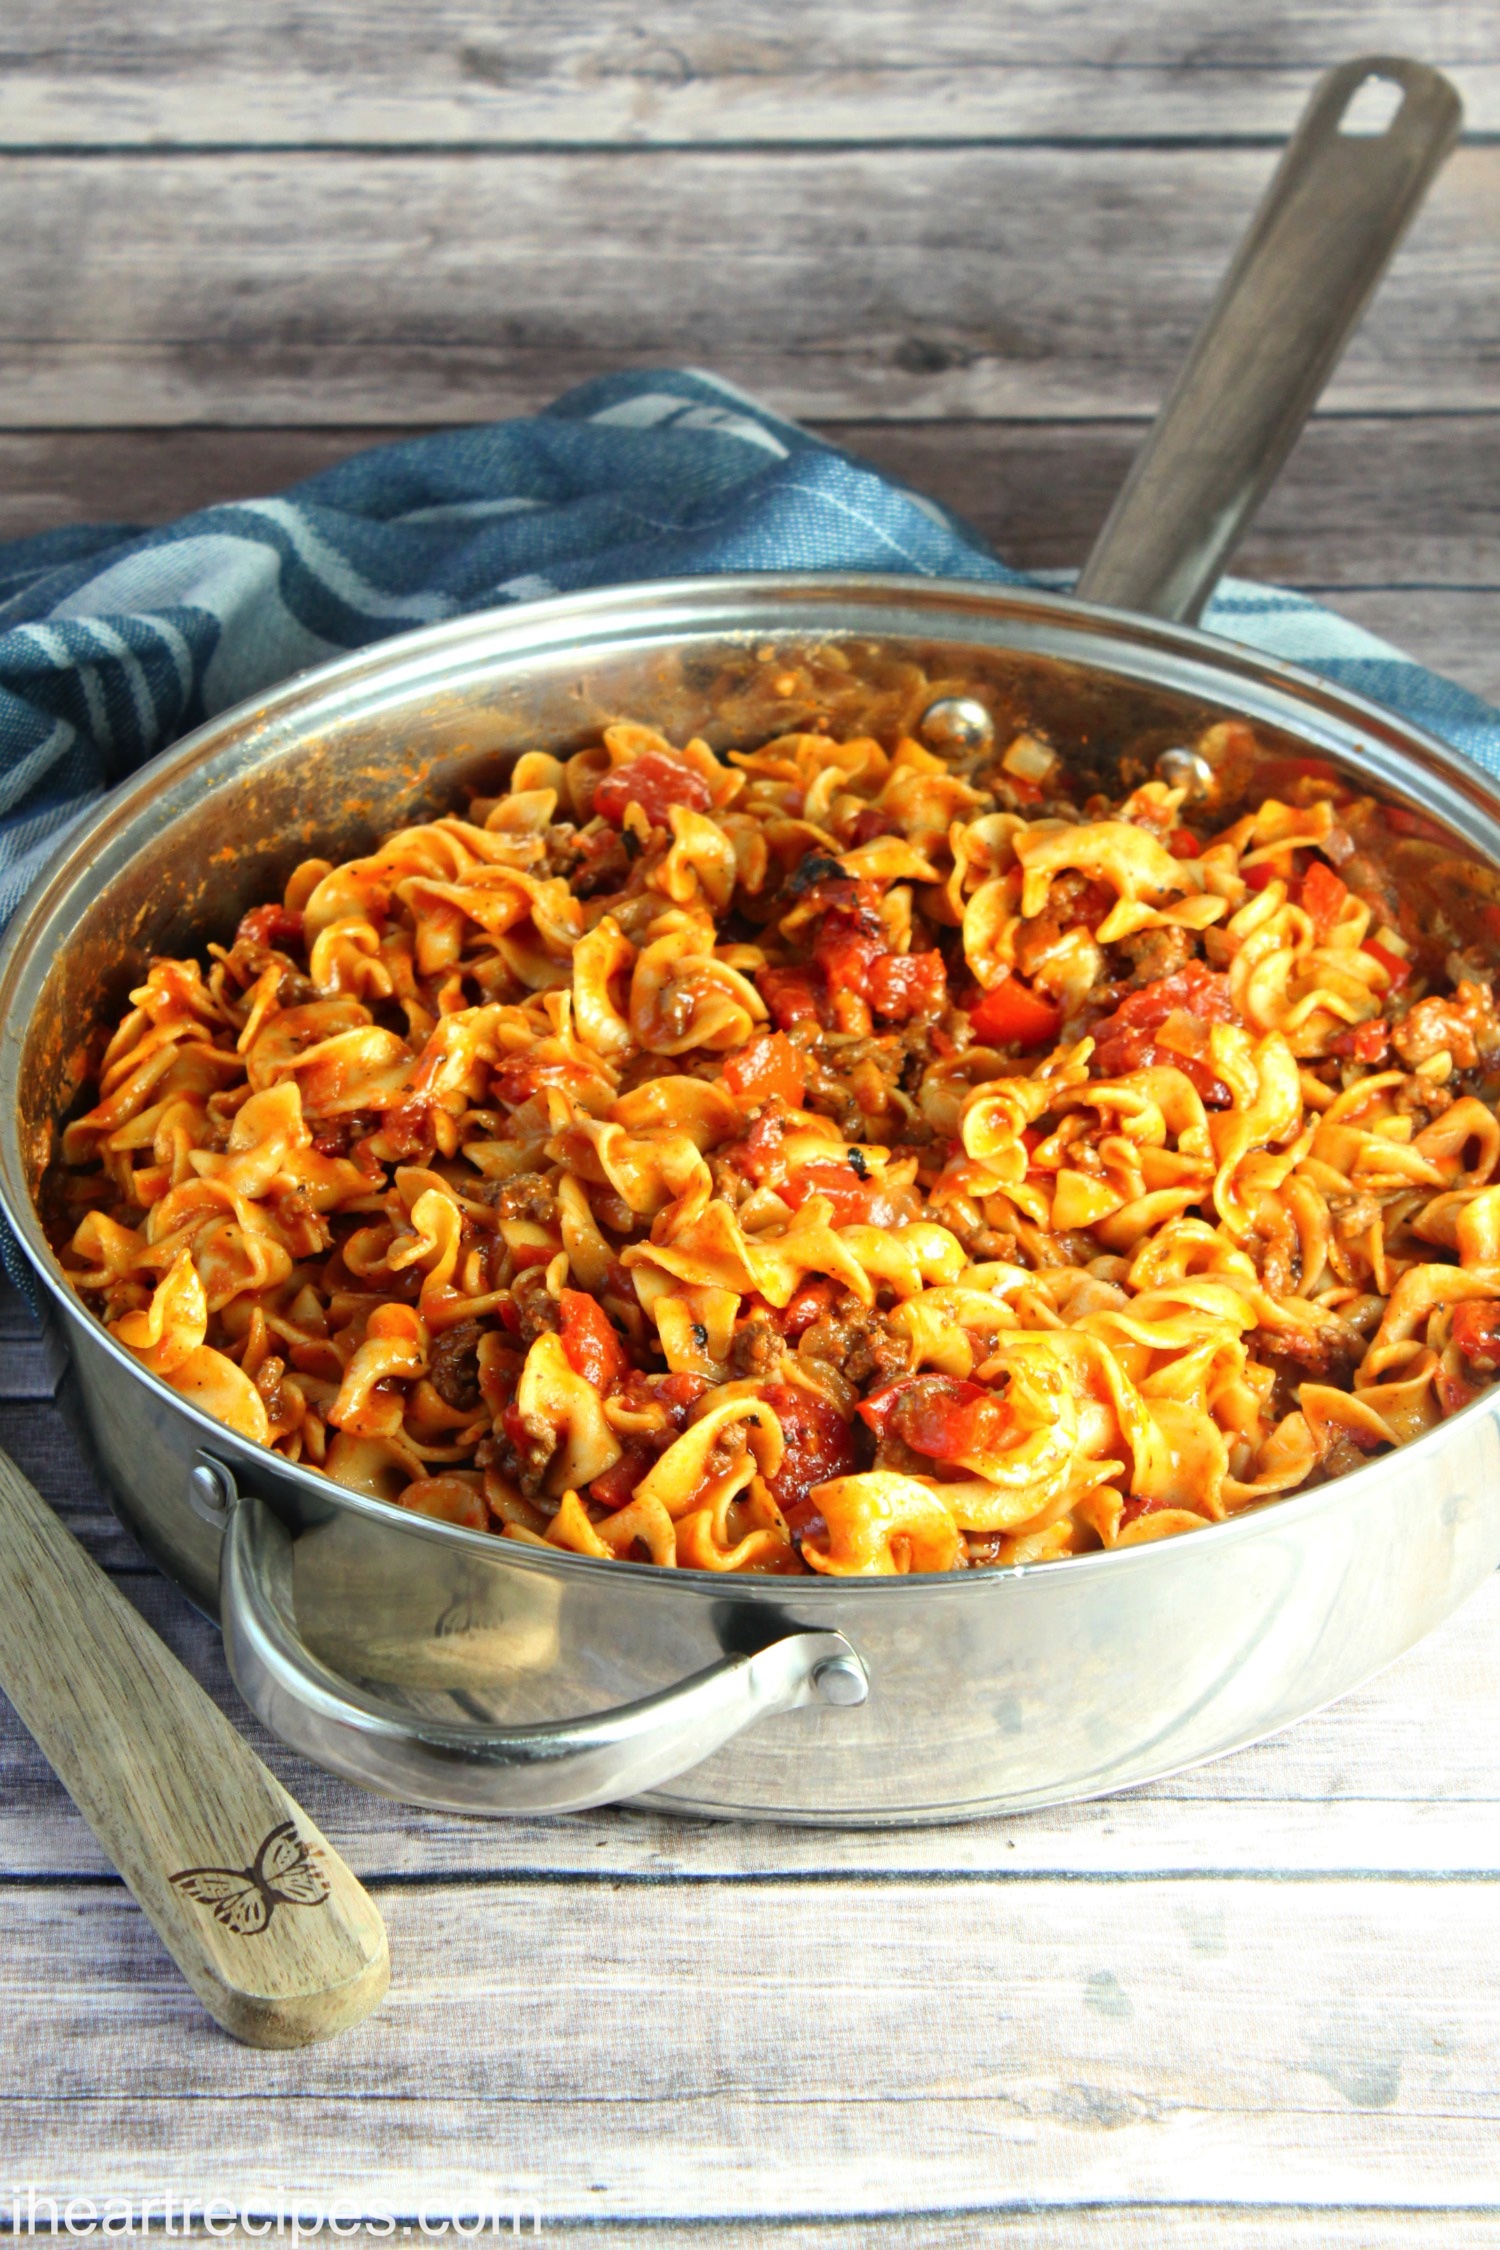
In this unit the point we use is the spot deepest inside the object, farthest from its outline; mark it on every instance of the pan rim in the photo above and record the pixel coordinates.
(1184, 658)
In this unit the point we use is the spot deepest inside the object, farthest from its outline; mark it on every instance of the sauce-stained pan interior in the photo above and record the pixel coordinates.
(329, 765)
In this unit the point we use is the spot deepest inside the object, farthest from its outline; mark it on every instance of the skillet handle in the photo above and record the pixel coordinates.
(562, 1765)
(1339, 203)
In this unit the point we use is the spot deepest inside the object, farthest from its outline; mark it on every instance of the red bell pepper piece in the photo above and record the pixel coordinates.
(1012, 1015)
(1322, 898)
(1395, 965)
(819, 1445)
(594, 1350)
(1476, 1331)
(275, 926)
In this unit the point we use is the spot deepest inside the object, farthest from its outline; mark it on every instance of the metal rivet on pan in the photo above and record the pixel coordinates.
(211, 1492)
(1184, 769)
(840, 1679)
(956, 722)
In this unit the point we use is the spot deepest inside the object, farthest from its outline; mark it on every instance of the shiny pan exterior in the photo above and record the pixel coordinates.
(454, 1669)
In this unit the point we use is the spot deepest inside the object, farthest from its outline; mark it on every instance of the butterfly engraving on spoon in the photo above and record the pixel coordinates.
(284, 1872)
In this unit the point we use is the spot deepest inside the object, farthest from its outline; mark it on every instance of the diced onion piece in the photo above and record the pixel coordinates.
(1029, 760)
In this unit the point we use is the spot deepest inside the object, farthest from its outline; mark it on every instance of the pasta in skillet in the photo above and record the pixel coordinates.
(838, 1158)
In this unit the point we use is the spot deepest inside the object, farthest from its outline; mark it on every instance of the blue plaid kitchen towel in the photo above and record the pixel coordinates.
(115, 641)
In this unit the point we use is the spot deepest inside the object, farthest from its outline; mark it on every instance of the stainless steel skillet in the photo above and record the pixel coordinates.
(451, 1668)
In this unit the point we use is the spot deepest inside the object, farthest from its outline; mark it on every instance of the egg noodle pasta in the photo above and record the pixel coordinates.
(830, 1158)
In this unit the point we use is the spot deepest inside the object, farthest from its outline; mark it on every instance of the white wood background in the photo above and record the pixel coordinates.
(969, 239)
(1256, 2005)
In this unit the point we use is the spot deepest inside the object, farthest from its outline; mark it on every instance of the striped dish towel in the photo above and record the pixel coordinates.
(115, 641)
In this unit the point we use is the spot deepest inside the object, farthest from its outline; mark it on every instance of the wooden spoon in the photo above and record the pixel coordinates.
(261, 1915)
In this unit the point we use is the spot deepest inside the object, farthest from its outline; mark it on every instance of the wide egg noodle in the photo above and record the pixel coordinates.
(826, 1160)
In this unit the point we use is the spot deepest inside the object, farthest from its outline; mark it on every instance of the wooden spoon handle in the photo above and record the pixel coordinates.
(265, 1921)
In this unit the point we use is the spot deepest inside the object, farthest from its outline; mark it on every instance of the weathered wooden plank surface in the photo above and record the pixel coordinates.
(1253, 2005)
(1364, 501)
(949, 2047)
(1149, 2227)
(604, 70)
(916, 283)
(1159, 2226)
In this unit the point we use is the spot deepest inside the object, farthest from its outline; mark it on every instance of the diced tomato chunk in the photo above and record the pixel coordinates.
(276, 926)
(532, 1254)
(615, 1486)
(942, 1416)
(1135, 1049)
(513, 1423)
(1183, 844)
(876, 1410)
(844, 962)
(655, 782)
(759, 1155)
(903, 985)
(819, 1445)
(588, 1337)
(1202, 992)
(1363, 1042)
(1012, 1015)
(846, 1189)
(812, 1302)
(1476, 1331)
(851, 955)
(1395, 965)
(1321, 898)
(850, 932)
(1080, 902)
(767, 1067)
(1123, 1041)
(677, 1393)
(792, 995)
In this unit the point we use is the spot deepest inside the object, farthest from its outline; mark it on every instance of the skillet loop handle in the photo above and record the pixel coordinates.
(561, 1765)
(1340, 201)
